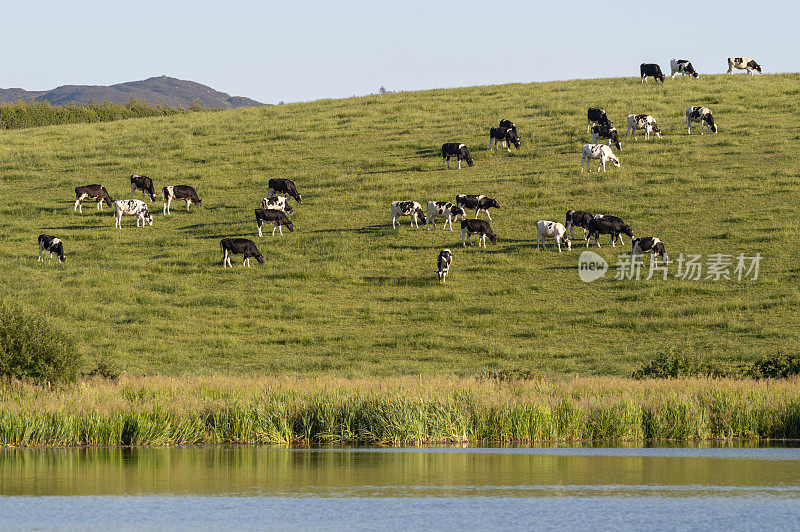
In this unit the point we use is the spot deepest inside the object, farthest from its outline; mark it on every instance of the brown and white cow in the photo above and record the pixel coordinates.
(93, 192)
(184, 192)
(646, 122)
(743, 63)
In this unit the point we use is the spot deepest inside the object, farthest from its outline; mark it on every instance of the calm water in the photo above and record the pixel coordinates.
(400, 489)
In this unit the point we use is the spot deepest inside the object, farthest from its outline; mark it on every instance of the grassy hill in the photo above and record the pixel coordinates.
(347, 295)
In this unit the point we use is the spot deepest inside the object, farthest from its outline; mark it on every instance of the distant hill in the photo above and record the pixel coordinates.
(164, 90)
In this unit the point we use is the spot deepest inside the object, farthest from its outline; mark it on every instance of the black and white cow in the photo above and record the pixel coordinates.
(649, 244)
(578, 219)
(605, 132)
(184, 192)
(53, 245)
(743, 63)
(277, 203)
(607, 225)
(646, 122)
(702, 115)
(143, 183)
(554, 230)
(479, 227)
(682, 67)
(133, 207)
(598, 116)
(446, 210)
(274, 217)
(457, 150)
(239, 246)
(597, 151)
(93, 192)
(509, 124)
(285, 186)
(506, 135)
(407, 208)
(651, 69)
(443, 262)
(479, 202)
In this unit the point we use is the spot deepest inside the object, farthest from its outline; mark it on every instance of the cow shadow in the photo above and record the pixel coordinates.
(252, 236)
(75, 227)
(384, 280)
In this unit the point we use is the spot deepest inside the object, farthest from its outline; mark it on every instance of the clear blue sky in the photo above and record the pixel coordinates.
(306, 50)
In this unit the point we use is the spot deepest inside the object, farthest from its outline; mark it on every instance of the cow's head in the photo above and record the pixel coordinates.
(515, 140)
(58, 249)
(612, 134)
(626, 230)
(456, 211)
(614, 161)
(568, 243)
(421, 214)
(288, 210)
(197, 201)
(299, 198)
(660, 77)
(491, 202)
(148, 217)
(259, 258)
(492, 237)
(289, 225)
(755, 66)
(710, 121)
(465, 155)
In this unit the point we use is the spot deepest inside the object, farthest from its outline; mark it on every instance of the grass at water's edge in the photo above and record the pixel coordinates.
(395, 411)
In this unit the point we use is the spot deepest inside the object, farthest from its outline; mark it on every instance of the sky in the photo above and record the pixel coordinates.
(307, 50)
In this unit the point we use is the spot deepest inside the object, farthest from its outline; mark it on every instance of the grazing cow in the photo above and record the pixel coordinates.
(651, 245)
(408, 208)
(578, 219)
(53, 245)
(245, 246)
(506, 135)
(479, 202)
(446, 210)
(605, 132)
(459, 151)
(184, 192)
(682, 67)
(94, 192)
(508, 124)
(651, 69)
(443, 262)
(481, 227)
(597, 151)
(277, 203)
(285, 186)
(646, 122)
(743, 63)
(143, 183)
(132, 207)
(555, 230)
(702, 115)
(607, 225)
(595, 115)
(274, 217)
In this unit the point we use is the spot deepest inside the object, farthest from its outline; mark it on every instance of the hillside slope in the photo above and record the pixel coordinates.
(346, 294)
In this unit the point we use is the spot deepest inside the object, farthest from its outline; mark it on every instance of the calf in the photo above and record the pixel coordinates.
(505, 135)
(133, 207)
(94, 192)
(743, 63)
(245, 246)
(646, 122)
(579, 219)
(595, 115)
(446, 210)
(555, 230)
(651, 245)
(274, 217)
(702, 115)
(651, 69)
(184, 192)
(285, 186)
(605, 132)
(276, 203)
(597, 151)
(408, 208)
(53, 245)
(682, 67)
(607, 225)
(443, 262)
(472, 227)
(459, 151)
(479, 202)
(508, 124)
(145, 184)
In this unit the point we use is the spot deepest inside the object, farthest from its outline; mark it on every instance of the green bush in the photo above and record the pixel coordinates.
(680, 365)
(775, 367)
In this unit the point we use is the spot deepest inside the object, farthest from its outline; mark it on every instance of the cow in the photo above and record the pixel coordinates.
(446, 210)
(94, 192)
(743, 63)
(557, 231)
(651, 245)
(597, 151)
(651, 69)
(702, 115)
(598, 116)
(481, 227)
(407, 208)
(145, 184)
(277, 203)
(479, 202)
(607, 225)
(286, 186)
(505, 135)
(443, 262)
(53, 245)
(509, 124)
(184, 192)
(646, 122)
(682, 67)
(133, 207)
(578, 219)
(274, 217)
(459, 151)
(244, 246)
(605, 132)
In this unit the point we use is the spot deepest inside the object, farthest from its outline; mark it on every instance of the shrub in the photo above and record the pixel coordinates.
(679, 365)
(775, 367)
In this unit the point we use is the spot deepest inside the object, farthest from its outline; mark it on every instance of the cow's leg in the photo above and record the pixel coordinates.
(280, 230)
(597, 239)
(258, 226)
(619, 235)
(487, 214)
(188, 202)
(40, 252)
(273, 229)
(459, 164)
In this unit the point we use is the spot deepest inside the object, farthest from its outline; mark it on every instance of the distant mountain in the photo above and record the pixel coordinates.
(164, 90)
